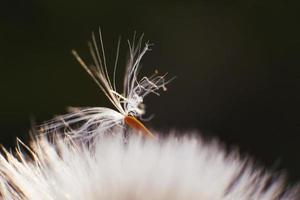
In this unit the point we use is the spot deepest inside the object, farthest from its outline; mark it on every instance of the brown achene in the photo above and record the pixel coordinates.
(136, 124)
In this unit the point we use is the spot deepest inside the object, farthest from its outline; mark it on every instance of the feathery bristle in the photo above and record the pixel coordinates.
(83, 123)
(169, 168)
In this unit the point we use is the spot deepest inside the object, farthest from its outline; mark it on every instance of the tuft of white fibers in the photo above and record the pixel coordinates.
(171, 168)
(85, 123)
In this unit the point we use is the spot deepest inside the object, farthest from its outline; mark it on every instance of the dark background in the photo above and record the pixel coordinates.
(237, 64)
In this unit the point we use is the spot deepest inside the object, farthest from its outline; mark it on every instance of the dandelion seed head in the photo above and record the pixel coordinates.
(174, 168)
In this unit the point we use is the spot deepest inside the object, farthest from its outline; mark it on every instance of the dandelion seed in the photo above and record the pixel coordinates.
(84, 123)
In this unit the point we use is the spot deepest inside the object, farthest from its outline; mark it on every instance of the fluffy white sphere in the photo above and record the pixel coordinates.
(111, 169)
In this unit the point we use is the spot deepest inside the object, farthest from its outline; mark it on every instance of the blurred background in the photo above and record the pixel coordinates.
(237, 65)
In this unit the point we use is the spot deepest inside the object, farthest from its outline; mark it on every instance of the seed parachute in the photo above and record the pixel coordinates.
(87, 123)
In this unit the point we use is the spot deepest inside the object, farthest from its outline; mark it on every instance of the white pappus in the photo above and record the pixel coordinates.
(128, 104)
(141, 169)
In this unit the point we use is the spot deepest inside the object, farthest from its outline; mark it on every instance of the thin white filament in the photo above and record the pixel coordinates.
(83, 122)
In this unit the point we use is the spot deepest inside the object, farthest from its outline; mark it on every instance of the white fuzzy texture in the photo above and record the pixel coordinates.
(92, 160)
(139, 169)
